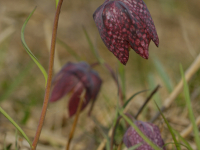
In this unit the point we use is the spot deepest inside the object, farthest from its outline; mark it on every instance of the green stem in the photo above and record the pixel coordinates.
(16, 125)
(48, 87)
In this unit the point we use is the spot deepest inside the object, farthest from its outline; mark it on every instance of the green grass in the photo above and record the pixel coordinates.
(189, 106)
(170, 129)
(16, 125)
(163, 74)
(29, 51)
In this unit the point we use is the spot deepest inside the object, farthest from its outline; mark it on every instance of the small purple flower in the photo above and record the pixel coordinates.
(76, 78)
(132, 138)
(123, 24)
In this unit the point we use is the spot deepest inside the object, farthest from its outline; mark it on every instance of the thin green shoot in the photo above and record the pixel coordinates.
(189, 106)
(183, 140)
(16, 125)
(123, 80)
(179, 144)
(135, 94)
(29, 51)
(163, 74)
(170, 129)
(152, 84)
(146, 139)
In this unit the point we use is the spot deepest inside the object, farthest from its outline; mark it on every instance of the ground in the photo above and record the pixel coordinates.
(22, 84)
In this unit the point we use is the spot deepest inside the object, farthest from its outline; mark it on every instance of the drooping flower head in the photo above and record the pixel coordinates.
(131, 137)
(123, 24)
(76, 78)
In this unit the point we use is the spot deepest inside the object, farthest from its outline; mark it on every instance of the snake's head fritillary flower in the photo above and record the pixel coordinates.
(132, 138)
(123, 24)
(76, 78)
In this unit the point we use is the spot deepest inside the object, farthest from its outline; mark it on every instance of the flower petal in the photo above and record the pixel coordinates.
(63, 86)
(110, 25)
(75, 99)
(138, 37)
(95, 87)
(132, 138)
(70, 75)
(139, 8)
(75, 78)
(96, 83)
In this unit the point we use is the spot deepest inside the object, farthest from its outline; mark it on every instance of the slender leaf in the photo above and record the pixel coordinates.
(175, 144)
(126, 103)
(146, 139)
(163, 75)
(170, 129)
(16, 125)
(189, 106)
(183, 140)
(29, 51)
(152, 84)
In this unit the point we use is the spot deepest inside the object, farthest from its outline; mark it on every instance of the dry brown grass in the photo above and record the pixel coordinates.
(177, 24)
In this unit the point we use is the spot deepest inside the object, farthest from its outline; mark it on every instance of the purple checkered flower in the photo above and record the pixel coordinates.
(131, 137)
(123, 24)
(75, 78)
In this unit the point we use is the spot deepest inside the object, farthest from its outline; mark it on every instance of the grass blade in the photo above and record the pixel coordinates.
(191, 114)
(170, 129)
(179, 144)
(152, 84)
(146, 139)
(183, 140)
(126, 103)
(163, 75)
(16, 125)
(123, 80)
(29, 51)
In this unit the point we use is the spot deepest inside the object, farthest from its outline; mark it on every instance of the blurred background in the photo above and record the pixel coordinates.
(22, 84)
